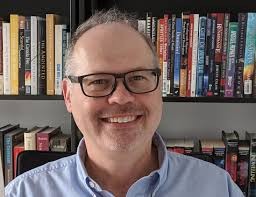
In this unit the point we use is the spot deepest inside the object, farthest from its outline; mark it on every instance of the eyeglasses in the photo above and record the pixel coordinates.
(103, 84)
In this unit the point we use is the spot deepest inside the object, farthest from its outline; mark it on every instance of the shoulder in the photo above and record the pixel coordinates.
(199, 177)
(191, 164)
(34, 178)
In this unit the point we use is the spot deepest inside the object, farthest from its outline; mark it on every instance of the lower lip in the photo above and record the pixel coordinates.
(124, 124)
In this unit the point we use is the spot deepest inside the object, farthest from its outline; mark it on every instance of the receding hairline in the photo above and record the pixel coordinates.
(106, 18)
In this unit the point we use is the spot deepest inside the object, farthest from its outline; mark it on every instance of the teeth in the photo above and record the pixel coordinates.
(121, 119)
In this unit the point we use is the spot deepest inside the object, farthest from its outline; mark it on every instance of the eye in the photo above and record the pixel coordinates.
(137, 78)
(99, 81)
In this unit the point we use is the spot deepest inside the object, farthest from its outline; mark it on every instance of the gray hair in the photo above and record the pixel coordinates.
(112, 15)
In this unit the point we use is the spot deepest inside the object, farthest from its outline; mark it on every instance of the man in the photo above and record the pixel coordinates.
(113, 90)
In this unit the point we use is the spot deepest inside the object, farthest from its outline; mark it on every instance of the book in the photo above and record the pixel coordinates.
(43, 138)
(27, 55)
(21, 55)
(51, 20)
(230, 140)
(6, 58)
(252, 164)
(10, 140)
(231, 59)
(1, 177)
(14, 53)
(3, 130)
(1, 58)
(242, 165)
(16, 150)
(30, 137)
(60, 143)
(249, 58)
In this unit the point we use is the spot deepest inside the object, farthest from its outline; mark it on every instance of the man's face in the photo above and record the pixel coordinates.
(121, 121)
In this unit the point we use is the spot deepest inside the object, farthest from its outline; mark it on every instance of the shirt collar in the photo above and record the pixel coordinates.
(161, 172)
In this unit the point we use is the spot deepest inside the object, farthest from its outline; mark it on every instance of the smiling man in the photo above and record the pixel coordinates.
(113, 89)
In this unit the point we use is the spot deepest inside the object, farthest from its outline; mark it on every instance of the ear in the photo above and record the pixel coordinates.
(66, 91)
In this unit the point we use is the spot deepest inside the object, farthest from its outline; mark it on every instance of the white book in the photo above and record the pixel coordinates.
(58, 57)
(194, 56)
(142, 26)
(6, 58)
(33, 48)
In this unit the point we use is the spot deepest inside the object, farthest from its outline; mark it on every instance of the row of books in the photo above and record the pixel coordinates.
(204, 55)
(14, 139)
(236, 156)
(32, 54)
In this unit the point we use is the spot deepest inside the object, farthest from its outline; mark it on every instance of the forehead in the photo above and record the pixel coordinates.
(111, 47)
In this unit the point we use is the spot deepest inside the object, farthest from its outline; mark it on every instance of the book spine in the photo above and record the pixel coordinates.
(27, 56)
(16, 151)
(50, 22)
(231, 159)
(6, 59)
(14, 50)
(58, 57)
(177, 57)
(30, 141)
(252, 169)
(212, 54)
(201, 57)
(42, 142)
(1, 59)
(249, 58)
(218, 54)
(149, 24)
(41, 56)
(8, 159)
(142, 26)
(184, 54)
(242, 169)
(172, 53)
(154, 30)
(242, 22)
(224, 54)
(34, 72)
(21, 55)
(194, 55)
(207, 54)
(230, 70)
(219, 157)
(165, 51)
(190, 47)
(64, 50)
(161, 48)
(169, 72)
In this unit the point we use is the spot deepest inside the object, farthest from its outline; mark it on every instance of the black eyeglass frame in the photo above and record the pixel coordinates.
(79, 79)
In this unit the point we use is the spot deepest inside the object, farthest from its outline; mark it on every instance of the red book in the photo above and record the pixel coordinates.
(43, 138)
(16, 150)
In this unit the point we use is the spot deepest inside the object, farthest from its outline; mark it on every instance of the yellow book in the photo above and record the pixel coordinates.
(51, 20)
(14, 53)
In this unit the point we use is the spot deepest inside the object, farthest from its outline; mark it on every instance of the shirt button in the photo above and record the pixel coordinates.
(91, 184)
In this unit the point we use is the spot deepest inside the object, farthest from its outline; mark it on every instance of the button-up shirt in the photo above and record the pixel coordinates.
(178, 176)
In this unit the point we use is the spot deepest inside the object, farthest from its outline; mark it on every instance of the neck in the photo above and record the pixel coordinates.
(123, 168)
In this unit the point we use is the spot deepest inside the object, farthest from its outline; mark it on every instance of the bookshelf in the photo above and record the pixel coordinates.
(202, 117)
(31, 110)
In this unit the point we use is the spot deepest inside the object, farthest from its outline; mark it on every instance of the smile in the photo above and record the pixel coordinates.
(123, 119)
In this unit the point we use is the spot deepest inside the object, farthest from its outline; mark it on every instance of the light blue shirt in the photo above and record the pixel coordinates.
(178, 176)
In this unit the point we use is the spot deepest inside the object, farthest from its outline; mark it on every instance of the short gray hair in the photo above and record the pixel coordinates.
(112, 15)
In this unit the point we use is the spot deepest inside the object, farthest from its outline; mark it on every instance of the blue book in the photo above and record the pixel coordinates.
(200, 57)
(177, 56)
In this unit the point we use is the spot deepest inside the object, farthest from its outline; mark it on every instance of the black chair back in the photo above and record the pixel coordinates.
(30, 159)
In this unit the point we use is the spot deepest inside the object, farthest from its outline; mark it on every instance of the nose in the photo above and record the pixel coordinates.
(121, 95)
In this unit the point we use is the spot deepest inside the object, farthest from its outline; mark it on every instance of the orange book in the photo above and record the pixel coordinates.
(51, 20)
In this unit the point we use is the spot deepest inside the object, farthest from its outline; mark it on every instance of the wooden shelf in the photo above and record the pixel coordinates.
(209, 99)
(31, 97)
